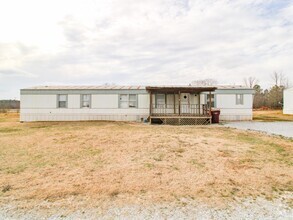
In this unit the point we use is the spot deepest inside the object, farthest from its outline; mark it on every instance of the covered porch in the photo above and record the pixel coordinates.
(180, 104)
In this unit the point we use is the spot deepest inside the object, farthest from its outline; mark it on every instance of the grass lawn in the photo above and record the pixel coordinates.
(138, 163)
(271, 115)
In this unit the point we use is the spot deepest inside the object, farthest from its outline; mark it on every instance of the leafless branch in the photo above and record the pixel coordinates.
(250, 81)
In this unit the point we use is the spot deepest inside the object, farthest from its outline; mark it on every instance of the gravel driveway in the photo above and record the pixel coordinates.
(277, 128)
(257, 208)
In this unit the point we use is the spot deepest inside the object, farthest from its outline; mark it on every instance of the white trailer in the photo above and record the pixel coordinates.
(288, 101)
(133, 103)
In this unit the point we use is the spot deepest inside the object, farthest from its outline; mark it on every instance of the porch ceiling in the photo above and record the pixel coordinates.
(182, 89)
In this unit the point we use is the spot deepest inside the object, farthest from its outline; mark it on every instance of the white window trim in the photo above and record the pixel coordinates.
(58, 100)
(240, 99)
(81, 101)
(119, 100)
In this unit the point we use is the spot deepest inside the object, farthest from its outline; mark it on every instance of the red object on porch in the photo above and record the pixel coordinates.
(215, 116)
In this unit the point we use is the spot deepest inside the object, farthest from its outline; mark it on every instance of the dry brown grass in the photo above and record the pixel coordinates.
(9, 117)
(130, 162)
(271, 115)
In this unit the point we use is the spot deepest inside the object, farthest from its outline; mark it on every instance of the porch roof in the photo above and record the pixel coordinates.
(182, 89)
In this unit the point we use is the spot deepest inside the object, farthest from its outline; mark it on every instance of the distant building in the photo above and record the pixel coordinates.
(166, 104)
(288, 101)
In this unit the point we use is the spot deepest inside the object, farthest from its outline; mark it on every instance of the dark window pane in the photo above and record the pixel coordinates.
(62, 104)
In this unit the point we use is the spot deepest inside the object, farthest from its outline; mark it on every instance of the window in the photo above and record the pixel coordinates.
(123, 101)
(128, 101)
(62, 101)
(160, 100)
(86, 101)
(132, 101)
(239, 99)
(212, 100)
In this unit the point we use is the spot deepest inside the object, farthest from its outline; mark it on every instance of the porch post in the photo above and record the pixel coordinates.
(179, 110)
(199, 103)
(151, 103)
(210, 102)
(166, 107)
(174, 103)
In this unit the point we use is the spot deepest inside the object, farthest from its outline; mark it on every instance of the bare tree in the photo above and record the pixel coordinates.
(275, 95)
(204, 82)
(275, 78)
(280, 79)
(250, 81)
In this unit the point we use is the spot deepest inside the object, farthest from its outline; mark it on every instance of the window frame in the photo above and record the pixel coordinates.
(239, 99)
(58, 100)
(213, 100)
(131, 101)
(156, 99)
(82, 101)
(128, 101)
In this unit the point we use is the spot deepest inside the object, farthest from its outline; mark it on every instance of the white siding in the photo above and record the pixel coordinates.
(104, 107)
(288, 101)
(202, 99)
(194, 98)
(73, 101)
(108, 101)
(230, 111)
(143, 101)
(38, 101)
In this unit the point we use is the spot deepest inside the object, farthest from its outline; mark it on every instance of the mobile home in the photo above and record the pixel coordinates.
(167, 104)
(288, 101)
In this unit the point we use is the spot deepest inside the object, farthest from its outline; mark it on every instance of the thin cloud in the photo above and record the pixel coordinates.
(160, 42)
(16, 73)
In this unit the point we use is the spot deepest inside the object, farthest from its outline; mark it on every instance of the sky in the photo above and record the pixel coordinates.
(142, 42)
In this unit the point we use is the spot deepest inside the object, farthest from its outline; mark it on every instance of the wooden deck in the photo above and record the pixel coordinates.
(180, 109)
(180, 114)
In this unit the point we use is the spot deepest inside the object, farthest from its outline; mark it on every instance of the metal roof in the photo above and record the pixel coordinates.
(172, 89)
(116, 87)
(202, 87)
(103, 87)
(233, 87)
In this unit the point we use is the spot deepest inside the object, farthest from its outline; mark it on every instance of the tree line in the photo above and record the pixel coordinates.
(268, 98)
(263, 98)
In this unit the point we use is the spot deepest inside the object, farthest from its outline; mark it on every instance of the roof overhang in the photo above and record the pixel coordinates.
(181, 89)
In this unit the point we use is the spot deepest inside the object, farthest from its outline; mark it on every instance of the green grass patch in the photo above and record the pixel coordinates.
(225, 153)
(260, 146)
(16, 170)
(40, 126)
(259, 142)
(92, 151)
(149, 165)
(9, 130)
(269, 118)
(197, 163)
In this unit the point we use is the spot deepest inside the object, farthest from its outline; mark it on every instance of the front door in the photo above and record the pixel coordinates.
(185, 103)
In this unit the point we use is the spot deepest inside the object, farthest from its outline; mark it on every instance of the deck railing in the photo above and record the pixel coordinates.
(183, 109)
